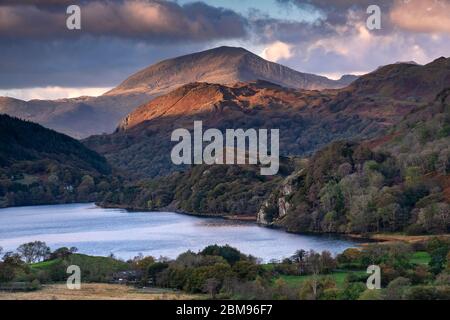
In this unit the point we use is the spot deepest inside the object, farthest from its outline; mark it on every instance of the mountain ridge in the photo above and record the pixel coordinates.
(84, 116)
(308, 119)
(221, 65)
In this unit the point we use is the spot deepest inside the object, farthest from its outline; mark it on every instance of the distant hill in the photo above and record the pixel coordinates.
(307, 120)
(40, 166)
(77, 117)
(405, 81)
(85, 116)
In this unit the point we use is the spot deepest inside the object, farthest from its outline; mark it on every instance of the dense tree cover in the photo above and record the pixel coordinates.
(41, 166)
(23, 140)
(214, 190)
(397, 183)
(224, 272)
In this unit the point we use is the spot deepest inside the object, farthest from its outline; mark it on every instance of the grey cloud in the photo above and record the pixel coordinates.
(110, 49)
(151, 20)
(339, 18)
(85, 62)
(329, 5)
(117, 38)
(37, 2)
(336, 11)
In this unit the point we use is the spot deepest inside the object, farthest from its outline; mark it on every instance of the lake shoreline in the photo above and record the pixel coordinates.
(235, 217)
(100, 231)
(364, 240)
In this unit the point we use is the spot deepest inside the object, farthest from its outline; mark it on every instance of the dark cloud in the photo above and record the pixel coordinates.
(38, 2)
(333, 5)
(84, 62)
(336, 11)
(151, 20)
(120, 37)
(268, 30)
(117, 38)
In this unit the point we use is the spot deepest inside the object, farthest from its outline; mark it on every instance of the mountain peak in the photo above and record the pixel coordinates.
(440, 61)
(228, 49)
(222, 65)
(408, 81)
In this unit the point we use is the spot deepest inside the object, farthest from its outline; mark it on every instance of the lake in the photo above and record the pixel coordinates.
(98, 231)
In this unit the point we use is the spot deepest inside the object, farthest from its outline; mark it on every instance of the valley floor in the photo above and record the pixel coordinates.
(97, 291)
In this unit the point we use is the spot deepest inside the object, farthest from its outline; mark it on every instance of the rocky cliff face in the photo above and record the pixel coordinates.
(277, 206)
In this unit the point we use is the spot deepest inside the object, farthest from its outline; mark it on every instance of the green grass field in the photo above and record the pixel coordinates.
(338, 276)
(44, 264)
(92, 268)
(418, 258)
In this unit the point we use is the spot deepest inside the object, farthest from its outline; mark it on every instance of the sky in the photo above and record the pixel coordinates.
(41, 59)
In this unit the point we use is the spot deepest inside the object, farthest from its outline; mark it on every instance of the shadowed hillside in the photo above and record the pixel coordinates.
(41, 166)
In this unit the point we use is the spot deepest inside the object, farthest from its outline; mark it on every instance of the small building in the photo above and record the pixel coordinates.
(127, 277)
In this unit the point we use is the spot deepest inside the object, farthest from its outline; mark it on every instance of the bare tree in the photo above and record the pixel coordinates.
(314, 264)
(211, 286)
(34, 251)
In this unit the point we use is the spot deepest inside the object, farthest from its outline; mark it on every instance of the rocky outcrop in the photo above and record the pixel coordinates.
(277, 206)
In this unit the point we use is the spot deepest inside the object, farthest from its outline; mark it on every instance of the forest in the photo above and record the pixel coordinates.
(41, 166)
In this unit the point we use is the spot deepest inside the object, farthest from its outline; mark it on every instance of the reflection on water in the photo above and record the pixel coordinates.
(99, 231)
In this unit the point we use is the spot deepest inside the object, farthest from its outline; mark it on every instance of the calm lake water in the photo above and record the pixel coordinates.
(98, 231)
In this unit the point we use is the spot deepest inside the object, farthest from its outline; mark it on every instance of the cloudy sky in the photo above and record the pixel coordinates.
(41, 58)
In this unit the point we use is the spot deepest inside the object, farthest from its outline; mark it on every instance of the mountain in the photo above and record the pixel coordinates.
(397, 182)
(41, 166)
(85, 116)
(308, 120)
(77, 117)
(405, 81)
(222, 65)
